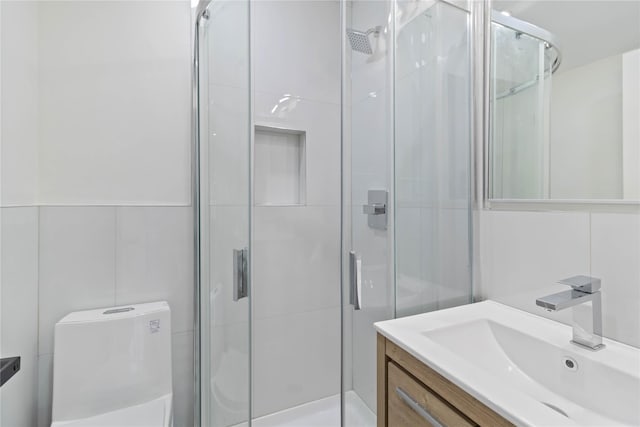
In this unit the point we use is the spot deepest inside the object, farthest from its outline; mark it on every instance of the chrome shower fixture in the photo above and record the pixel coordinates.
(360, 41)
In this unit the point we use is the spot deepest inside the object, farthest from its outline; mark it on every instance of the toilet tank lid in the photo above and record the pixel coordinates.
(112, 313)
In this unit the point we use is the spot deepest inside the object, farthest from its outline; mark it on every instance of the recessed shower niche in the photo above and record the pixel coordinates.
(280, 166)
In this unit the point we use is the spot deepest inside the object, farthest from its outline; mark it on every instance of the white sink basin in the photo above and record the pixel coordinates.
(523, 366)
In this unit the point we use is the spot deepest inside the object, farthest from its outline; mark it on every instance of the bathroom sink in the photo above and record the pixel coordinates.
(523, 366)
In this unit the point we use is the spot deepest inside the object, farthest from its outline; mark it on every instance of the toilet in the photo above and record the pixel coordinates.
(112, 367)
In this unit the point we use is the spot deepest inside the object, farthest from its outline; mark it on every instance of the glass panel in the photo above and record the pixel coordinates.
(224, 213)
(296, 215)
(432, 155)
(420, 80)
(367, 162)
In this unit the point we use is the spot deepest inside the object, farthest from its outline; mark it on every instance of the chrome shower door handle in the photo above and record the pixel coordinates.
(355, 282)
(240, 275)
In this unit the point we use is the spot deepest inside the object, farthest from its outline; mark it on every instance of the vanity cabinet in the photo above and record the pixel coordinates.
(413, 395)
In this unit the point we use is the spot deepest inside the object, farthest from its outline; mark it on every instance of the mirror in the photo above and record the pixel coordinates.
(565, 100)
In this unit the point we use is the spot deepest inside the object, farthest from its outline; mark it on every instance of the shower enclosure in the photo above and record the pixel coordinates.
(328, 199)
(523, 61)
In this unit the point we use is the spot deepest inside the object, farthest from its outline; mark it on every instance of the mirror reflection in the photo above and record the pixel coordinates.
(565, 100)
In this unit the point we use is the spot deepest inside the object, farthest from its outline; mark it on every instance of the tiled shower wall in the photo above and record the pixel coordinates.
(95, 180)
(524, 254)
(296, 249)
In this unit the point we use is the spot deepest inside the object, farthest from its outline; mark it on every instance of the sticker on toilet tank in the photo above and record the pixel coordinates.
(154, 326)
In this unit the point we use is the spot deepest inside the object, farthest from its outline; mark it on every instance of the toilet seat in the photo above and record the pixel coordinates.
(155, 413)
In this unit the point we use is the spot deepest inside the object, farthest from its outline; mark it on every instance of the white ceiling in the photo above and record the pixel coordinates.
(586, 30)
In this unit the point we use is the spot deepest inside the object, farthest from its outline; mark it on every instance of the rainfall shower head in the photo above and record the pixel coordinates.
(360, 41)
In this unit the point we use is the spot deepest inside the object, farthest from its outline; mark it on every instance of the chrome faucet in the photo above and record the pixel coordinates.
(587, 330)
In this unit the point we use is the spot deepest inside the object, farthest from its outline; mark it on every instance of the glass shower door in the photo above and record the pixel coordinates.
(367, 227)
(224, 210)
(432, 160)
(406, 177)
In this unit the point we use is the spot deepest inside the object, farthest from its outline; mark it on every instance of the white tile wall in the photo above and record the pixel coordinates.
(296, 359)
(45, 389)
(363, 347)
(279, 168)
(615, 258)
(230, 367)
(183, 375)
(114, 92)
(321, 122)
(19, 313)
(523, 254)
(228, 149)
(297, 48)
(228, 55)
(296, 251)
(154, 254)
(77, 264)
(296, 260)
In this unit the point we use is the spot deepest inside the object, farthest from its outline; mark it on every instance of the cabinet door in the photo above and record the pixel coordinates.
(412, 404)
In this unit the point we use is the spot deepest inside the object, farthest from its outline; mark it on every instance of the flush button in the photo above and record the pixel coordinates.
(118, 310)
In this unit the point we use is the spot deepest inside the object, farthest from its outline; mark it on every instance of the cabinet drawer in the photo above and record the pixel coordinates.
(411, 403)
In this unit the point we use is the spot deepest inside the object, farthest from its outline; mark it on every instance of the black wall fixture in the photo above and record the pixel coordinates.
(8, 368)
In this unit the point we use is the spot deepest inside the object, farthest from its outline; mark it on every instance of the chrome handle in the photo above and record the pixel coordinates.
(585, 284)
(355, 276)
(240, 276)
(374, 209)
(417, 408)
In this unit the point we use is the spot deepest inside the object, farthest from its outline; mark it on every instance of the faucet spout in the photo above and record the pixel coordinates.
(564, 299)
(587, 320)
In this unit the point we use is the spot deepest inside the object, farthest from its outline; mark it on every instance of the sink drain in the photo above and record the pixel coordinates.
(555, 408)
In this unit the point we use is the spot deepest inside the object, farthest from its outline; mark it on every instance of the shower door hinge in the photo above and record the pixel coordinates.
(240, 274)
(355, 280)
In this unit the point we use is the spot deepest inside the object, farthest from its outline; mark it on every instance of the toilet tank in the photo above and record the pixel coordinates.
(111, 358)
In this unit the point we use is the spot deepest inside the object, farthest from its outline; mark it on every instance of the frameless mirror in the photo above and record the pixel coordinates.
(565, 100)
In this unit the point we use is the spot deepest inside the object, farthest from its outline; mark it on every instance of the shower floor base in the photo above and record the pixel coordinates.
(320, 413)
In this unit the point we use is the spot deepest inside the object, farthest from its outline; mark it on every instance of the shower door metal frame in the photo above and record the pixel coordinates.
(195, 194)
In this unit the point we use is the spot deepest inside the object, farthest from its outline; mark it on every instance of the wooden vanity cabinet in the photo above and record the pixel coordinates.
(410, 394)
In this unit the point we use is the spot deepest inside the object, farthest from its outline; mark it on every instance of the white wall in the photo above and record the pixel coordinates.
(586, 131)
(19, 223)
(523, 254)
(19, 312)
(296, 249)
(115, 94)
(96, 118)
(19, 86)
